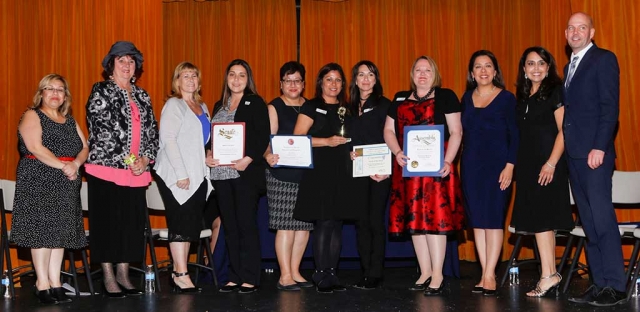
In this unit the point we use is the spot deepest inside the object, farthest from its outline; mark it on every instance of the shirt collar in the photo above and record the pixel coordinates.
(581, 54)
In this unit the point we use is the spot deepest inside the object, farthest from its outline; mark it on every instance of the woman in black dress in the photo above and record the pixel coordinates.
(292, 235)
(542, 195)
(324, 190)
(369, 110)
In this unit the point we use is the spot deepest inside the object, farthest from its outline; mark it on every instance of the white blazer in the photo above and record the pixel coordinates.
(181, 153)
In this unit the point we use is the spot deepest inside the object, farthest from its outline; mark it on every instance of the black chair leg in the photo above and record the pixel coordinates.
(574, 263)
(7, 254)
(633, 259)
(514, 255)
(207, 247)
(87, 271)
(633, 279)
(198, 260)
(565, 254)
(72, 271)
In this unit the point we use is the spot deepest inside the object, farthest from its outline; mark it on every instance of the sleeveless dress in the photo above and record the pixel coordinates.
(283, 183)
(46, 210)
(540, 208)
(423, 205)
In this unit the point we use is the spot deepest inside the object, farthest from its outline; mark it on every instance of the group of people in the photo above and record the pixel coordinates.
(550, 132)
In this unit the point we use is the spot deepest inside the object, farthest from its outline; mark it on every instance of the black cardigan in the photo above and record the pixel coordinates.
(252, 110)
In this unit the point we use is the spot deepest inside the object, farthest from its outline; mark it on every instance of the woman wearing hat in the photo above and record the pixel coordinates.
(123, 140)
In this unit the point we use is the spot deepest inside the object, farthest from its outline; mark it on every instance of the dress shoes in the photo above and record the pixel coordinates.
(247, 290)
(609, 297)
(587, 296)
(177, 289)
(422, 286)
(291, 287)
(305, 284)
(119, 294)
(477, 290)
(434, 291)
(489, 292)
(59, 294)
(229, 288)
(132, 291)
(44, 296)
(372, 283)
(360, 284)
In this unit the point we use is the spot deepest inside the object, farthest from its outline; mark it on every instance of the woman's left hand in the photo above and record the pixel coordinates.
(242, 164)
(379, 177)
(546, 174)
(353, 156)
(505, 177)
(446, 169)
(139, 166)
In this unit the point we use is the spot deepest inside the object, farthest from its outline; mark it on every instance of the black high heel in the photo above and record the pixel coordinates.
(132, 291)
(179, 289)
(553, 289)
(422, 286)
(434, 291)
(118, 294)
(44, 296)
(322, 278)
(59, 294)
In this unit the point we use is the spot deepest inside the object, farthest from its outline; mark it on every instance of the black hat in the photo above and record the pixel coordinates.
(121, 48)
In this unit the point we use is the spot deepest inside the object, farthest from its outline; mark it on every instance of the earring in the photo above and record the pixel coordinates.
(525, 77)
(133, 79)
(473, 78)
(547, 75)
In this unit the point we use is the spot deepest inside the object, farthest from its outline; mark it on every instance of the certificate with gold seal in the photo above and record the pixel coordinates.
(371, 159)
(424, 145)
(292, 150)
(227, 141)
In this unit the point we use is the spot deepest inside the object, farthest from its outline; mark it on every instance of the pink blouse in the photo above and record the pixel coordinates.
(124, 177)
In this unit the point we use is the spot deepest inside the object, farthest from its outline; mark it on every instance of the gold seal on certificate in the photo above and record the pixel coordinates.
(227, 142)
(424, 146)
(292, 150)
(372, 159)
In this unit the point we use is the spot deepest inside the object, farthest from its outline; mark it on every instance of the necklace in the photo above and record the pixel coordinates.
(485, 94)
(296, 108)
(424, 98)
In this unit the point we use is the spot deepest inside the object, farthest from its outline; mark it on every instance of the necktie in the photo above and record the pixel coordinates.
(572, 70)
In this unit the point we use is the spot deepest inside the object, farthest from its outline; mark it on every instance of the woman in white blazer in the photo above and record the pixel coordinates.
(181, 173)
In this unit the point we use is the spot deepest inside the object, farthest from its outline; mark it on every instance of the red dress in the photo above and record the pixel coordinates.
(423, 205)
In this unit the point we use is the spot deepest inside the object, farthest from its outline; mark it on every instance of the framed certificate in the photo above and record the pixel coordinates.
(372, 159)
(424, 145)
(227, 141)
(293, 150)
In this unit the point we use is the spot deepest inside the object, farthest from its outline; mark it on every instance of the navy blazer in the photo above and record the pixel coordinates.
(591, 104)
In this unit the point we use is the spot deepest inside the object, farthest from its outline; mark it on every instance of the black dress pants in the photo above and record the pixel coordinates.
(370, 228)
(238, 204)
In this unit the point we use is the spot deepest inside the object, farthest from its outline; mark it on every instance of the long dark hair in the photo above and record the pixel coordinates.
(523, 86)
(354, 91)
(342, 97)
(249, 89)
(497, 81)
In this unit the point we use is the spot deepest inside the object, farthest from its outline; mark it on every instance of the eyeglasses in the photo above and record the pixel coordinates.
(289, 82)
(54, 90)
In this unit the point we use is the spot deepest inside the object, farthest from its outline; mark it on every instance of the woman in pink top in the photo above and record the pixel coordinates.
(123, 140)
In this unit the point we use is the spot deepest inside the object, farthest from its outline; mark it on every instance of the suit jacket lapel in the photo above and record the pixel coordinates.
(584, 63)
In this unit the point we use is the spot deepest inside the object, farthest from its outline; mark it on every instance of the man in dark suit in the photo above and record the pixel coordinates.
(591, 101)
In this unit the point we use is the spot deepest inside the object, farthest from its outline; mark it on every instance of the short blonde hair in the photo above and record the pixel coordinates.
(65, 108)
(437, 79)
(175, 88)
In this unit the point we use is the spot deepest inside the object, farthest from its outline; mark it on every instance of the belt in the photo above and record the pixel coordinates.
(63, 158)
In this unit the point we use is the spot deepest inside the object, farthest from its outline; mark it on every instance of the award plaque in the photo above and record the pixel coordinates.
(424, 146)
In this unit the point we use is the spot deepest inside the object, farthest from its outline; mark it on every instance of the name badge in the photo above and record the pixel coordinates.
(366, 110)
(321, 111)
(400, 99)
(247, 102)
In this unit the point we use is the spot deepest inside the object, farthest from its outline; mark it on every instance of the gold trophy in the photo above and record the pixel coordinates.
(341, 112)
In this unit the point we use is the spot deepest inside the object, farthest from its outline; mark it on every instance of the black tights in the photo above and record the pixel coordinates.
(327, 242)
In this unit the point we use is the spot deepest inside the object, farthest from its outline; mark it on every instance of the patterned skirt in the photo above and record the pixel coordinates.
(281, 197)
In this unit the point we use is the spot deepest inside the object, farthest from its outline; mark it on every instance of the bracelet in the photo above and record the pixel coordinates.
(550, 165)
(398, 152)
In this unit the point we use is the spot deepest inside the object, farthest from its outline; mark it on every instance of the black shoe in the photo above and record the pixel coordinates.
(477, 290)
(118, 294)
(372, 283)
(489, 292)
(247, 290)
(324, 290)
(422, 286)
(59, 294)
(609, 297)
(291, 287)
(132, 291)
(44, 296)
(587, 296)
(179, 289)
(229, 288)
(361, 283)
(434, 291)
(305, 284)
(339, 287)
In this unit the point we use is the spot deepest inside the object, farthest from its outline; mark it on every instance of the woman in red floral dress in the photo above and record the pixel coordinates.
(428, 208)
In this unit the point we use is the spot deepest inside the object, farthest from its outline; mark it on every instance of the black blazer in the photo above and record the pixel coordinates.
(591, 104)
(252, 110)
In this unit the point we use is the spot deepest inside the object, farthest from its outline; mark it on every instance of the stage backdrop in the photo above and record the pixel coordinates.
(71, 37)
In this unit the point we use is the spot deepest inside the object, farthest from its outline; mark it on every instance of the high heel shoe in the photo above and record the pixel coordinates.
(118, 294)
(179, 289)
(434, 291)
(59, 295)
(132, 291)
(553, 289)
(422, 286)
(44, 296)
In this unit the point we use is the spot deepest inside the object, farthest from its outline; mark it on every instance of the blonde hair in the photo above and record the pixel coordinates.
(437, 79)
(175, 87)
(65, 108)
